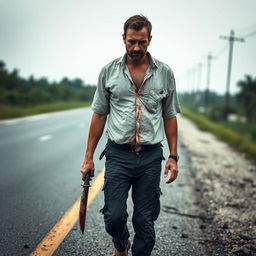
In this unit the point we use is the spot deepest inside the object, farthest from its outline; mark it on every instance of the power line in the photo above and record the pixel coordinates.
(250, 34)
(247, 31)
(246, 28)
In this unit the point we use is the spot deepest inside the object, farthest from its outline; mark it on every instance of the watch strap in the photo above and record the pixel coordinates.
(176, 158)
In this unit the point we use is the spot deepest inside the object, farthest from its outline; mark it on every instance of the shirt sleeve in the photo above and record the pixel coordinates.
(100, 102)
(171, 105)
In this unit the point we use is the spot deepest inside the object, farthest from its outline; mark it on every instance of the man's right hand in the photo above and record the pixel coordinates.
(87, 166)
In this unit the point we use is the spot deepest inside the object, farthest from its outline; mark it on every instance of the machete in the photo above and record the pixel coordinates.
(83, 202)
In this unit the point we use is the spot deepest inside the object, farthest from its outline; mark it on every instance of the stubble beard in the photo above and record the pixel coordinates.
(136, 56)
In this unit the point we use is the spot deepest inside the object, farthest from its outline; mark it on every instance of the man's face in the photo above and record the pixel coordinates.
(136, 43)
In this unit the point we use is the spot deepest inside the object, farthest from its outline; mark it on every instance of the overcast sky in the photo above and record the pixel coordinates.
(75, 38)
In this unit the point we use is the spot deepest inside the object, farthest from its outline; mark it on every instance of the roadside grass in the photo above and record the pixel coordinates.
(248, 129)
(240, 141)
(12, 112)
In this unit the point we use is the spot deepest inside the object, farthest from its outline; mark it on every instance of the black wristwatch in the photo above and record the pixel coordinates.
(176, 158)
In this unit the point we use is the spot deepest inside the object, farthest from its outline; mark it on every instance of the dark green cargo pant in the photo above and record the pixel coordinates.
(126, 169)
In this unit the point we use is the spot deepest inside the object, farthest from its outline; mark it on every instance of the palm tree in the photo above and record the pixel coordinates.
(247, 96)
(2, 66)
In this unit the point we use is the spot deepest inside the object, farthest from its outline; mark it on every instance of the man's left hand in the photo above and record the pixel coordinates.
(171, 165)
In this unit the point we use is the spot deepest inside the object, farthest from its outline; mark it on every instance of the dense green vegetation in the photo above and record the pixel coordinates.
(12, 112)
(247, 97)
(246, 129)
(19, 96)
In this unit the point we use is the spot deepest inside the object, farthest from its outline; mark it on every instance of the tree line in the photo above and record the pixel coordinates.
(17, 91)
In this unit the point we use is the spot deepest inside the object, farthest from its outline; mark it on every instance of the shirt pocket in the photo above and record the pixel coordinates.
(157, 94)
(153, 98)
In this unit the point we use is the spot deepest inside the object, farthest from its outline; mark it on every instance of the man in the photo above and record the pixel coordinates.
(137, 93)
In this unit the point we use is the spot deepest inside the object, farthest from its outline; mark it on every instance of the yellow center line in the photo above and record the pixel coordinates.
(57, 234)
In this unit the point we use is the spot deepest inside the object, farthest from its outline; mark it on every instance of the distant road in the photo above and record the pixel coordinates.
(40, 179)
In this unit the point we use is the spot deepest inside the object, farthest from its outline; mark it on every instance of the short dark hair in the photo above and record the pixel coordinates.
(137, 22)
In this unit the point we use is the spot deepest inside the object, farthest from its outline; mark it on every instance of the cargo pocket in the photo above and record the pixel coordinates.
(104, 189)
(109, 152)
(158, 193)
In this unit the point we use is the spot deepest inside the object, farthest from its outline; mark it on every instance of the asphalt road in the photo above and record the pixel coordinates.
(40, 179)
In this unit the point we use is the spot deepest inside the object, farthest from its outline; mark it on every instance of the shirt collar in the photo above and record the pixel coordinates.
(122, 61)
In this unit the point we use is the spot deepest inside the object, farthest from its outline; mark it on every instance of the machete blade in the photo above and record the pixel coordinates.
(83, 202)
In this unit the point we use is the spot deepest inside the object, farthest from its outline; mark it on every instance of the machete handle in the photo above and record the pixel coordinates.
(87, 179)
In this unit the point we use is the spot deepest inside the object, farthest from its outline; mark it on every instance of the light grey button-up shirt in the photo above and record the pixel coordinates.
(136, 115)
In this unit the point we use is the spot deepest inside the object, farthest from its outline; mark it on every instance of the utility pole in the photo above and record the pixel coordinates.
(199, 75)
(231, 39)
(193, 79)
(193, 86)
(198, 83)
(208, 80)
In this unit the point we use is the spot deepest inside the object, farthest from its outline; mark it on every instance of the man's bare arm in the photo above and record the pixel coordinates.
(96, 129)
(171, 132)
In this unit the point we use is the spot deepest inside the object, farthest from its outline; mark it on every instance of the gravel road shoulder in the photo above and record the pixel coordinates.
(225, 185)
